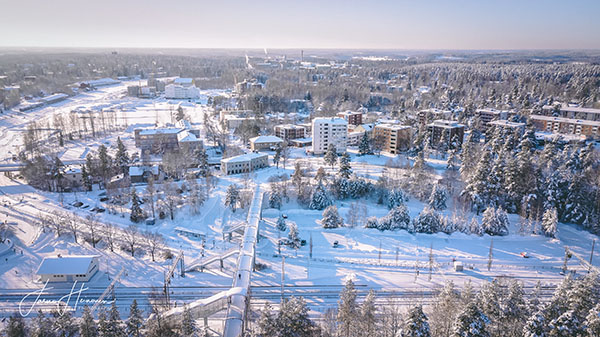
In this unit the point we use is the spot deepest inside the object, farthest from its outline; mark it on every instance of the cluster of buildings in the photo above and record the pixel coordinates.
(182, 136)
(568, 120)
(182, 88)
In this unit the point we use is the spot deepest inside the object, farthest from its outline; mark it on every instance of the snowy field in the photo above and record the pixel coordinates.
(390, 262)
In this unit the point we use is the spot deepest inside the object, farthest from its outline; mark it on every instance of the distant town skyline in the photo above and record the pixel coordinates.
(434, 24)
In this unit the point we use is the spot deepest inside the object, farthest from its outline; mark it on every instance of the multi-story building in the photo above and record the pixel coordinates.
(449, 130)
(289, 131)
(157, 139)
(567, 126)
(392, 138)
(329, 130)
(180, 92)
(244, 163)
(265, 143)
(488, 115)
(352, 117)
(568, 120)
(507, 125)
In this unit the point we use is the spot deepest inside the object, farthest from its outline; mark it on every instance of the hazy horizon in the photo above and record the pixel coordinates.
(351, 25)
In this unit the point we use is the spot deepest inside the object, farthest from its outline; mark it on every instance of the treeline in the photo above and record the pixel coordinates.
(499, 308)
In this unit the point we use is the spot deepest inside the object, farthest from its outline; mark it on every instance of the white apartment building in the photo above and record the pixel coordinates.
(182, 88)
(327, 131)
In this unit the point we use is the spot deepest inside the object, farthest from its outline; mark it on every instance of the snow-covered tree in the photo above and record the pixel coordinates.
(319, 199)
(550, 222)
(372, 222)
(122, 157)
(188, 328)
(364, 146)
(16, 327)
(41, 325)
(396, 197)
(415, 324)
(331, 218)
(274, 198)
(298, 175)
(471, 322)
(477, 188)
(535, 326)
(348, 311)
(592, 321)
(135, 321)
(331, 157)
(293, 236)
(281, 225)
(495, 222)
(445, 310)
(398, 218)
(63, 324)
(428, 221)
(345, 168)
(293, 319)
(137, 214)
(368, 317)
(438, 197)
(266, 325)
(87, 325)
(114, 323)
(566, 325)
(232, 196)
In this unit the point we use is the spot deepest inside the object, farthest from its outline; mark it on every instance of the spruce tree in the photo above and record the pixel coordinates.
(293, 236)
(347, 310)
(232, 197)
(15, 327)
(281, 226)
(202, 159)
(438, 197)
(188, 328)
(566, 325)
(471, 322)
(416, 324)
(330, 157)
(550, 222)
(114, 323)
(477, 188)
(277, 156)
(85, 177)
(137, 214)
(319, 198)
(135, 322)
(396, 197)
(368, 317)
(274, 198)
(87, 325)
(592, 321)
(364, 147)
(428, 221)
(331, 218)
(297, 175)
(345, 168)
(42, 326)
(122, 157)
(535, 326)
(495, 222)
(266, 323)
(63, 324)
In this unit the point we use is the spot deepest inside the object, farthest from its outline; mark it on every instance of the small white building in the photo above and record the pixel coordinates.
(327, 131)
(244, 163)
(68, 268)
(265, 143)
(182, 88)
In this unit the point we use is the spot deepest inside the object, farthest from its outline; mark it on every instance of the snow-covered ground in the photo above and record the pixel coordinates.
(384, 261)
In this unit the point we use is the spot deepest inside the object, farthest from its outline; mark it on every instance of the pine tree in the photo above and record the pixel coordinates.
(188, 328)
(347, 310)
(293, 319)
(15, 327)
(438, 197)
(137, 214)
(445, 310)
(293, 236)
(495, 222)
(592, 321)
(550, 222)
(372, 222)
(114, 323)
(135, 322)
(42, 326)
(297, 175)
(232, 197)
(397, 219)
(87, 326)
(330, 156)
(266, 323)
(396, 197)
(103, 325)
(202, 159)
(477, 188)
(105, 163)
(345, 168)
(428, 221)
(559, 303)
(63, 324)
(122, 157)
(471, 322)
(281, 226)
(368, 317)
(274, 198)
(277, 156)
(416, 324)
(535, 326)
(85, 177)
(319, 198)
(331, 218)
(566, 325)
(364, 147)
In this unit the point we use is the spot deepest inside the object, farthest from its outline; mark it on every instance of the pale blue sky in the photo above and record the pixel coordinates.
(399, 24)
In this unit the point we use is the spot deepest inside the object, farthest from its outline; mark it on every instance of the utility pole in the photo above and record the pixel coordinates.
(282, 276)
(379, 258)
(592, 253)
(310, 245)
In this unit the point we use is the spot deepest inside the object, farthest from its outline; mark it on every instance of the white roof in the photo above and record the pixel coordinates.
(160, 131)
(446, 124)
(502, 122)
(289, 126)
(183, 80)
(243, 157)
(392, 126)
(102, 81)
(266, 139)
(349, 113)
(66, 265)
(188, 230)
(330, 120)
(565, 120)
(573, 109)
(186, 136)
(54, 97)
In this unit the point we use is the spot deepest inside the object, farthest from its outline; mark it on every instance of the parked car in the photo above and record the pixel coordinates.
(336, 244)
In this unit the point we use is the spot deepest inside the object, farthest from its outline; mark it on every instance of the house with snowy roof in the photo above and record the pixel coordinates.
(68, 268)
(265, 143)
(244, 163)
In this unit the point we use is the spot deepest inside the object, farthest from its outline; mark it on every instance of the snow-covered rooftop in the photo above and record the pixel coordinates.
(330, 120)
(573, 109)
(266, 139)
(566, 120)
(243, 157)
(393, 127)
(160, 131)
(183, 80)
(502, 122)
(67, 265)
(186, 136)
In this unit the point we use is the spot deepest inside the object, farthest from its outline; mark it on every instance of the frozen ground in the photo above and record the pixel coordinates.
(384, 261)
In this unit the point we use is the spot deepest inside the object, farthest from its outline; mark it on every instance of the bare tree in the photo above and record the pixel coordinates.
(130, 235)
(92, 227)
(154, 241)
(55, 221)
(149, 195)
(110, 232)
(171, 199)
(72, 224)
